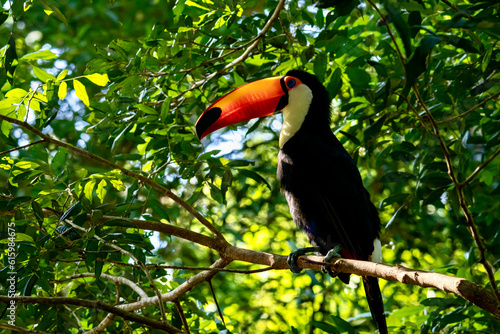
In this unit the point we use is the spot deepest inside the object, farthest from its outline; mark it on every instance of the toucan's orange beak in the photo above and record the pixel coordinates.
(257, 99)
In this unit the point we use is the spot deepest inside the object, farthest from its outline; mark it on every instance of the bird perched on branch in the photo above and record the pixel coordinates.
(319, 179)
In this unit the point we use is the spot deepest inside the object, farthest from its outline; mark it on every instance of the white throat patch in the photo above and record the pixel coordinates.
(299, 100)
(377, 251)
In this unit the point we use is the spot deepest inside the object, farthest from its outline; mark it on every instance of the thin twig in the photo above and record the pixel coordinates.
(391, 35)
(462, 115)
(102, 325)
(245, 54)
(216, 302)
(136, 260)
(75, 316)
(479, 168)
(182, 315)
(461, 198)
(22, 147)
(452, 6)
(115, 279)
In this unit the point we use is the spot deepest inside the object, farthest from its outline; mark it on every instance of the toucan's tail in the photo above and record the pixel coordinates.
(375, 301)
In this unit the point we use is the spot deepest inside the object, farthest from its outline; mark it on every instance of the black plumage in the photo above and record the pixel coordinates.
(325, 193)
(319, 179)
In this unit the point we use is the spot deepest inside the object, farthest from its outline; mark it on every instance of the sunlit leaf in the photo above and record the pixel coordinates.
(89, 189)
(42, 74)
(98, 79)
(62, 90)
(41, 54)
(81, 92)
(101, 191)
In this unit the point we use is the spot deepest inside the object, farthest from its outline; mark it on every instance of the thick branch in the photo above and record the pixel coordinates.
(201, 239)
(459, 286)
(469, 291)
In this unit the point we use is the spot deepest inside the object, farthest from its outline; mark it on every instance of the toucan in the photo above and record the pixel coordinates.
(319, 179)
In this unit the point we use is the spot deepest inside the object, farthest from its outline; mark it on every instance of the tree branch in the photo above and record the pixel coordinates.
(14, 329)
(461, 198)
(22, 147)
(465, 113)
(125, 171)
(245, 54)
(461, 287)
(116, 279)
(479, 168)
(98, 305)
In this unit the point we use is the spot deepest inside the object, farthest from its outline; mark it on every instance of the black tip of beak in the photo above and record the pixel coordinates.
(206, 120)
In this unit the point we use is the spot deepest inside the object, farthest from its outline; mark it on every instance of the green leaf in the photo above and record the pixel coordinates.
(59, 160)
(320, 65)
(23, 237)
(121, 135)
(62, 90)
(71, 211)
(98, 268)
(49, 92)
(335, 83)
(254, 176)
(98, 79)
(342, 325)
(50, 8)
(42, 75)
(41, 54)
(30, 285)
(89, 188)
(358, 77)
(227, 180)
(327, 328)
(5, 128)
(373, 130)
(11, 60)
(38, 211)
(101, 190)
(146, 109)
(216, 193)
(395, 177)
(401, 25)
(18, 200)
(4, 15)
(165, 109)
(62, 75)
(81, 92)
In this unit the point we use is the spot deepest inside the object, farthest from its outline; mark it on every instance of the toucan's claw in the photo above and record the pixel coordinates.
(332, 253)
(294, 256)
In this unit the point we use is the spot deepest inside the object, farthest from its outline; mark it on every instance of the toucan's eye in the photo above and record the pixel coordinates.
(291, 83)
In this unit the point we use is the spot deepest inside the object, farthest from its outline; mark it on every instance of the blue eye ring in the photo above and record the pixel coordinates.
(291, 83)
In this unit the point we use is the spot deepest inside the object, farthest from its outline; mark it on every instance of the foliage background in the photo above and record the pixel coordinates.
(126, 80)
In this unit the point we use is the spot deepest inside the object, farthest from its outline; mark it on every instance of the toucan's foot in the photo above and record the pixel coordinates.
(294, 256)
(332, 253)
